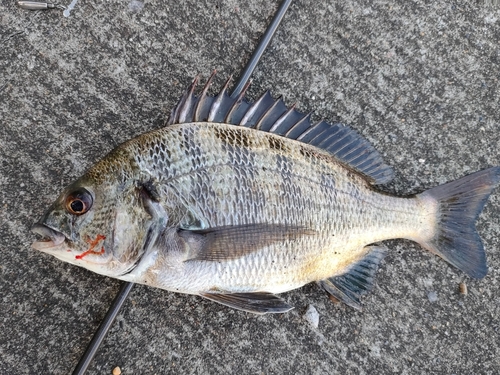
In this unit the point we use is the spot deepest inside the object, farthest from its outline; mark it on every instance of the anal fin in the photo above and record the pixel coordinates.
(257, 303)
(358, 280)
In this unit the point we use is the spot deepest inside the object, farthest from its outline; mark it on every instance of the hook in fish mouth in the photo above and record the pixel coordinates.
(50, 237)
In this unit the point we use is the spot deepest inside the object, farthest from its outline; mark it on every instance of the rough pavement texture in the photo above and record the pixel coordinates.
(420, 79)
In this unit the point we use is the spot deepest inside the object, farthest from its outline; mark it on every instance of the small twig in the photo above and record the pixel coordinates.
(10, 36)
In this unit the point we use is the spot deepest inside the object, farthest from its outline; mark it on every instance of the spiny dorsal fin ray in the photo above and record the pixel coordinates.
(273, 116)
(253, 113)
(239, 108)
(204, 101)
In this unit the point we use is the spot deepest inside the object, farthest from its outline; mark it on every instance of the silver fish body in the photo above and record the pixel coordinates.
(229, 176)
(239, 213)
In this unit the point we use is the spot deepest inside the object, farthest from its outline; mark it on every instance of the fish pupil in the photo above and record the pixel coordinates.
(79, 202)
(77, 206)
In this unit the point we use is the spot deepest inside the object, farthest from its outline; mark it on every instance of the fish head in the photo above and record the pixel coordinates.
(96, 223)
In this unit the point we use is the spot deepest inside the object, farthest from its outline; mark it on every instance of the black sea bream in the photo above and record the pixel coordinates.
(237, 201)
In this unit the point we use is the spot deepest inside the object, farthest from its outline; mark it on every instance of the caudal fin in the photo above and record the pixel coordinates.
(459, 204)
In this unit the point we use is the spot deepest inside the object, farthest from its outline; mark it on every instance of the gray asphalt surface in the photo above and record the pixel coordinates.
(419, 79)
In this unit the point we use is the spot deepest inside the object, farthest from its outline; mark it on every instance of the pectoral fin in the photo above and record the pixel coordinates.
(358, 280)
(233, 242)
(257, 303)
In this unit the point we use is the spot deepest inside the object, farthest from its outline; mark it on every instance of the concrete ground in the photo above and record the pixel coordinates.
(419, 79)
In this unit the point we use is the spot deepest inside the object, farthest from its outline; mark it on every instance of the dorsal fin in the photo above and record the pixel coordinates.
(273, 116)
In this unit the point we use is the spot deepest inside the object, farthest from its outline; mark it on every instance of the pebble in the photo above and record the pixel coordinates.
(312, 316)
(117, 371)
(432, 296)
(135, 6)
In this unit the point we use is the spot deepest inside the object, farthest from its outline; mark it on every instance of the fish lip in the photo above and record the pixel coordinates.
(51, 237)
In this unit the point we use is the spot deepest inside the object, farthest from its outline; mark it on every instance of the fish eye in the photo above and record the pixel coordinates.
(79, 202)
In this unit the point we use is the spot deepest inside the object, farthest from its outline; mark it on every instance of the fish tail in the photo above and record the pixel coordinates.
(458, 204)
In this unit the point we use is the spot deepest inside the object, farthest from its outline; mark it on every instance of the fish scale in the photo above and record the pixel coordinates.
(239, 212)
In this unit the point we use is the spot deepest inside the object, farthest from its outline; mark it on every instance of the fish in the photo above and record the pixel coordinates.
(238, 201)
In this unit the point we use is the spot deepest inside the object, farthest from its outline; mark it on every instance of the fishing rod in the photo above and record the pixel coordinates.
(125, 289)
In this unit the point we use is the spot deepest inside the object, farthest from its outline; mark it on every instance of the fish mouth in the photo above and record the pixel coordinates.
(50, 237)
